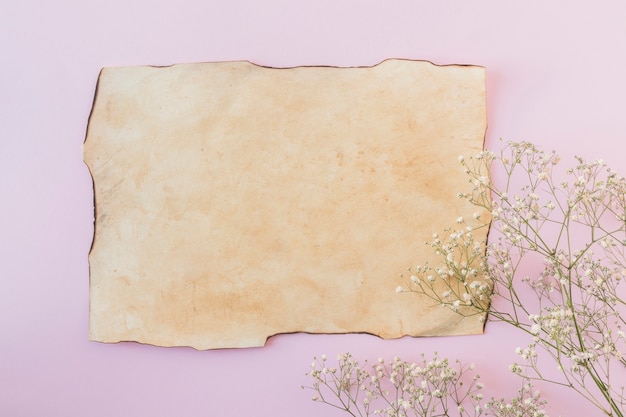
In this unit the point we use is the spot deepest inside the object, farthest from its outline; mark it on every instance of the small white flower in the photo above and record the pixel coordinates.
(398, 289)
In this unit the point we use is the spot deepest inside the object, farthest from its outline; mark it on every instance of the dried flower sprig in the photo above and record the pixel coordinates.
(528, 403)
(570, 234)
(428, 388)
(398, 388)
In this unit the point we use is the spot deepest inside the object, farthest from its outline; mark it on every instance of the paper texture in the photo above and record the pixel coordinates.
(235, 202)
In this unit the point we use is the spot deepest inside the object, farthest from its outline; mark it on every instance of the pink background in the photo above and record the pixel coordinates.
(555, 76)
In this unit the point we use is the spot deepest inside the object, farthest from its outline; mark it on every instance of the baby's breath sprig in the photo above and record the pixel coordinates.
(397, 388)
(569, 229)
(460, 282)
(527, 403)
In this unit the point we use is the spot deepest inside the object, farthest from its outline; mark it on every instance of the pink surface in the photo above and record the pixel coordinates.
(555, 76)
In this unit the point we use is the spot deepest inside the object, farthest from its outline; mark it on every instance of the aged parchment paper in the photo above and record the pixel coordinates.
(235, 202)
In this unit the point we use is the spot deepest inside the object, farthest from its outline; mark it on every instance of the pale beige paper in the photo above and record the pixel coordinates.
(235, 202)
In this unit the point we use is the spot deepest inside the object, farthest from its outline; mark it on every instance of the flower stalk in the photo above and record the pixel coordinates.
(553, 266)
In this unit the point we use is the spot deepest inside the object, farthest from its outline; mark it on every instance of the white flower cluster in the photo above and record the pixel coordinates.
(430, 388)
(557, 324)
(460, 282)
(398, 388)
(527, 404)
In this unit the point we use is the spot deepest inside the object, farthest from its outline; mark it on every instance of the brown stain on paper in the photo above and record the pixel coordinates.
(235, 202)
